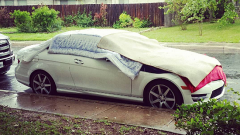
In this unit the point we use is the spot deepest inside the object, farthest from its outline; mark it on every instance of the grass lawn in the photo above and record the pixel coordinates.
(15, 36)
(211, 33)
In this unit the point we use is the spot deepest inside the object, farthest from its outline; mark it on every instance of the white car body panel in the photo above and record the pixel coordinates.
(105, 76)
(63, 80)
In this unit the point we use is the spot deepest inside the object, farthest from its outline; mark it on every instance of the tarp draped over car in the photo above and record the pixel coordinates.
(188, 64)
(84, 43)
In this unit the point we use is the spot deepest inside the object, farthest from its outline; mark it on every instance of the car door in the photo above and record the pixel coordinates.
(57, 65)
(99, 75)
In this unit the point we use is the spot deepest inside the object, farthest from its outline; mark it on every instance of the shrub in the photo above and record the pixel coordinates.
(146, 23)
(83, 20)
(45, 19)
(68, 20)
(116, 25)
(4, 17)
(100, 18)
(57, 25)
(213, 117)
(125, 19)
(137, 23)
(141, 23)
(22, 20)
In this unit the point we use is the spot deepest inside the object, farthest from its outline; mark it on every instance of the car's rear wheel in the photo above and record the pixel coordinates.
(162, 94)
(42, 83)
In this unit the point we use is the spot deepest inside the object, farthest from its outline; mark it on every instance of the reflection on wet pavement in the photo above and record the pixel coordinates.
(9, 82)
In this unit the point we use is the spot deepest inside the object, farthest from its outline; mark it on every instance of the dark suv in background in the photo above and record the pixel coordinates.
(6, 54)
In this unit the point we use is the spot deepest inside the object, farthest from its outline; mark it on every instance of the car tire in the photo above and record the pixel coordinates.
(42, 83)
(162, 94)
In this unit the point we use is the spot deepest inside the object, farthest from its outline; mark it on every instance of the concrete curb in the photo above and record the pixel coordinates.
(206, 47)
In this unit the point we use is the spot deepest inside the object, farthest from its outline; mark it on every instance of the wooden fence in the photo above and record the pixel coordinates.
(146, 10)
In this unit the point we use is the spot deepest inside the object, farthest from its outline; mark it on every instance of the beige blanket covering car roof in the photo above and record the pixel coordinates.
(134, 46)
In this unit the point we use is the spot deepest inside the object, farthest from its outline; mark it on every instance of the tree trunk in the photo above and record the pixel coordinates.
(210, 15)
(200, 28)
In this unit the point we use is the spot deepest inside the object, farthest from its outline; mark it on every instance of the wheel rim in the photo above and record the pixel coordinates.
(162, 96)
(42, 84)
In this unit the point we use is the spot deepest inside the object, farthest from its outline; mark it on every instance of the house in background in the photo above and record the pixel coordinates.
(71, 2)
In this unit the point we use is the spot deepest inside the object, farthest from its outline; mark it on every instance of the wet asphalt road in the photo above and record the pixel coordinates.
(230, 63)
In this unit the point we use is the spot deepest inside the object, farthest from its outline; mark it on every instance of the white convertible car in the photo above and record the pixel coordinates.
(121, 64)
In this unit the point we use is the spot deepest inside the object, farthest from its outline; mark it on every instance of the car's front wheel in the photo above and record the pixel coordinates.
(162, 94)
(42, 83)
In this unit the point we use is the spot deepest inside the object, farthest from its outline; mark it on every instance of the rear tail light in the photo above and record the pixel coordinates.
(18, 60)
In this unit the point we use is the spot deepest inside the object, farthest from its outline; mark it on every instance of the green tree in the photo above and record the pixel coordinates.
(194, 11)
(175, 7)
(186, 11)
(190, 10)
(211, 8)
(230, 14)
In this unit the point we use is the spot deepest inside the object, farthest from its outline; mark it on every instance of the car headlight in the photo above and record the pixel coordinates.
(6, 45)
(3, 41)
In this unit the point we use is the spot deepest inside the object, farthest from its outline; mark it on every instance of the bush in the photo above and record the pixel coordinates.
(23, 21)
(83, 20)
(45, 19)
(125, 20)
(141, 23)
(100, 18)
(213, 117)
(68, 20)
(57, 25)
(116, 25)
(146, 23)
(4, 17)
(137, 23)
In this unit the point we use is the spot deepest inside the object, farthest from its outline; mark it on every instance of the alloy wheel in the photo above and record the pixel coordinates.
(162, 96)
(42, 84)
